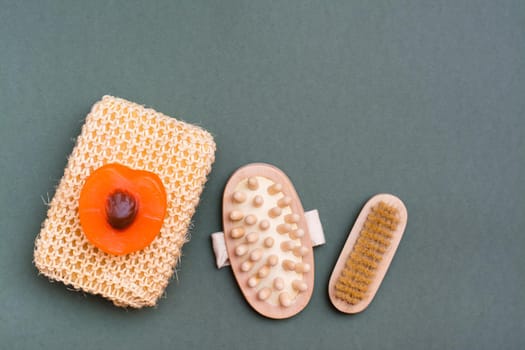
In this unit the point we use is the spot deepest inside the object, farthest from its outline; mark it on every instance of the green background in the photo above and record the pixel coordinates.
(423, 99)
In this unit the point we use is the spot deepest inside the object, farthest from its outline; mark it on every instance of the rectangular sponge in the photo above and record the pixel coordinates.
(119, 131)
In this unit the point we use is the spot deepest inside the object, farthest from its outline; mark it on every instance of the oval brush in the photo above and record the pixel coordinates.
(367, 253)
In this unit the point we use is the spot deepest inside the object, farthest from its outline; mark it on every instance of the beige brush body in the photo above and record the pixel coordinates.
(267, 240)
(363, 263)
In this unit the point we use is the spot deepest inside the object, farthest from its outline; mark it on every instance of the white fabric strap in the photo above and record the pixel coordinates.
(314, 227)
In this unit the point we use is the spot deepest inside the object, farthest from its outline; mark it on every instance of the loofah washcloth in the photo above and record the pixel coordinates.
(119, 131)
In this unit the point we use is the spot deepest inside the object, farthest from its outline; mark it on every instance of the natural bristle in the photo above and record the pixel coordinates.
(373, 241)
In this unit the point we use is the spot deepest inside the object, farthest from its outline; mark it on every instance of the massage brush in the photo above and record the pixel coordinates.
(367, 253)
(268, 241)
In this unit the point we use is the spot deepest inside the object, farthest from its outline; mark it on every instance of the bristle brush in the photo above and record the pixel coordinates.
(367, 253)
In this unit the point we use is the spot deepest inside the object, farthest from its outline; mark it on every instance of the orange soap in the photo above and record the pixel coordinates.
(121, 210)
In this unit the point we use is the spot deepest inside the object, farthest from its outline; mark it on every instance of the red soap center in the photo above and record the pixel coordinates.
(121, 209)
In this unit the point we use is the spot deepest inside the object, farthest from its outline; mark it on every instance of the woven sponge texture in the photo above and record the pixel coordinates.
(119, 131)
